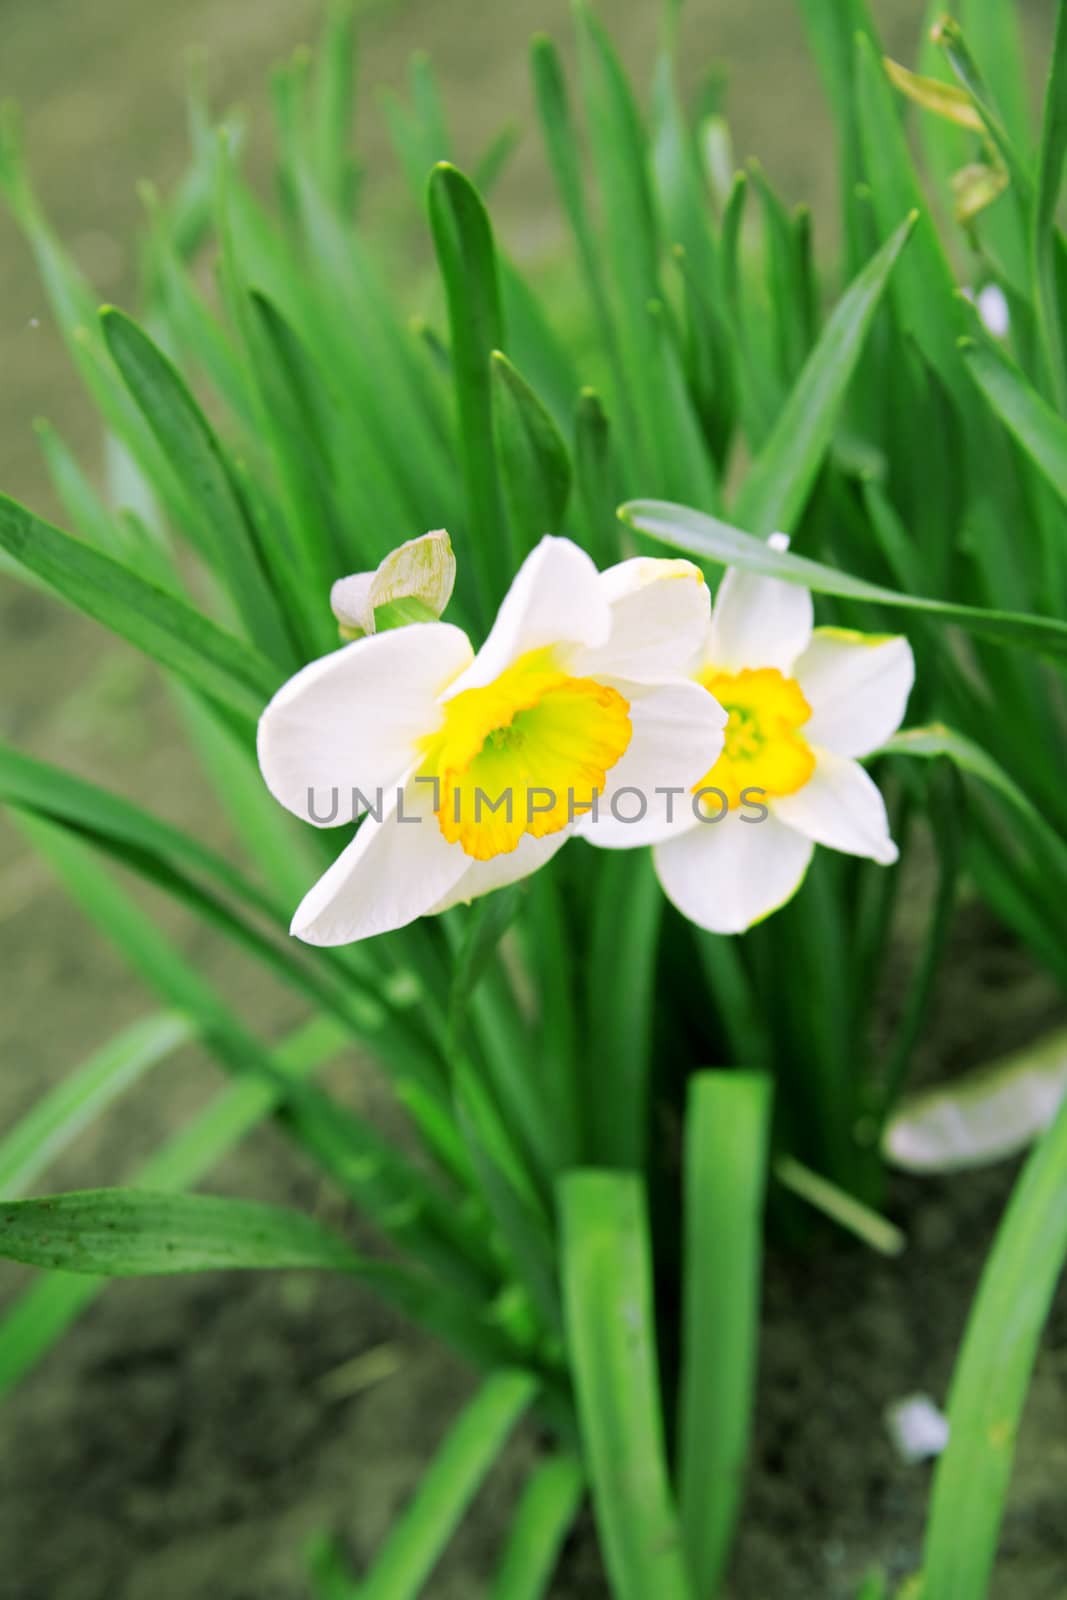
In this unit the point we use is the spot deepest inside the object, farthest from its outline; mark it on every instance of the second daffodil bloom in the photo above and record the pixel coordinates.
(804, 705)
(475, 768)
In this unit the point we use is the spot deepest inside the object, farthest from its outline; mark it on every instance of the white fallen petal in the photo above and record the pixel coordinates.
(839, 806)
(857, 686)
(917, 1429)
(983, 1116)
(994, 312)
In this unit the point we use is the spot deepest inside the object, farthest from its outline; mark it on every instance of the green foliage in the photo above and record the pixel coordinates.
(299, 425)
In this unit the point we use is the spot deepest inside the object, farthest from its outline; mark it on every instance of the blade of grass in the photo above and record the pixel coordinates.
(781, 477)
(43, 1313)
(535, 471)
(158, 623)
(464, 243)
(201, 465)
(844, 1209)
(393, 1192)
(135, 1233)
(624, 938)
(992, 1376)
(607, 1291)
(447, 1487)
(994, 35)
(595, 478)
(923, 289)
(727, 1133)
(719, 543)
(549, 1505)
(59, 1116)
(1048, 250)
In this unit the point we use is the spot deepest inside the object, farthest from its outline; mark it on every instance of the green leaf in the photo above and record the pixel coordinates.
(463, 240)
(448, 1485)
(937, 740)
(50, 1305)
(727, 1133)
(59, 1116)
(133, 1233)
(627, 910)
(535, 470)
(607, 1291)
(875, 1586)
(563, 147)
(780, 479)
(994, 34)
(333, 107)
(719, 543)
(923, 289)
(396, 1194)
(832, 27)
(1048, 249)
(630, 237)
(595, 479)
(1032, 421)
(549, 1505)
(88, 515)
(840, 1206)
(992, 1376)
(229, 536)
(42, 787)
(158, 623)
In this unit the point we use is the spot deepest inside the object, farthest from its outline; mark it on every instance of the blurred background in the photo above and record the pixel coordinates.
(186, 1438)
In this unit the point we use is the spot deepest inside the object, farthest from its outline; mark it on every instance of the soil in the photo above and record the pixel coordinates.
(188, 1436)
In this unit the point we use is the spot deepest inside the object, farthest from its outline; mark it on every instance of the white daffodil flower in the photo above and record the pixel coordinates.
(474, 769)
(804, 705)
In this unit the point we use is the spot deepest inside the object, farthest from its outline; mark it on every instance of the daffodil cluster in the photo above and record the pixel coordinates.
(617, 705)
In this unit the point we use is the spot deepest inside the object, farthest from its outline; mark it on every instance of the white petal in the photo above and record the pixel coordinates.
(353, 719)
(351, 603)
(482, 877)
(660, 613)
(724, 876)
(555, 598)
(857, 685)
(677, 737)
(394, 871)
(840, 806)
(758, 622)
(994, 310)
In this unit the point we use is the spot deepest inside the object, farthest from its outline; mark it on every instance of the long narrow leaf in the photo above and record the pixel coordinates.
(993, 1374)
(719, 543)
(158, 623)
(607, 1284)
(542, 1521)
(780, 478)
(134, 1233)
(60, 1116)
(727, 1134)
(447, 1487)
